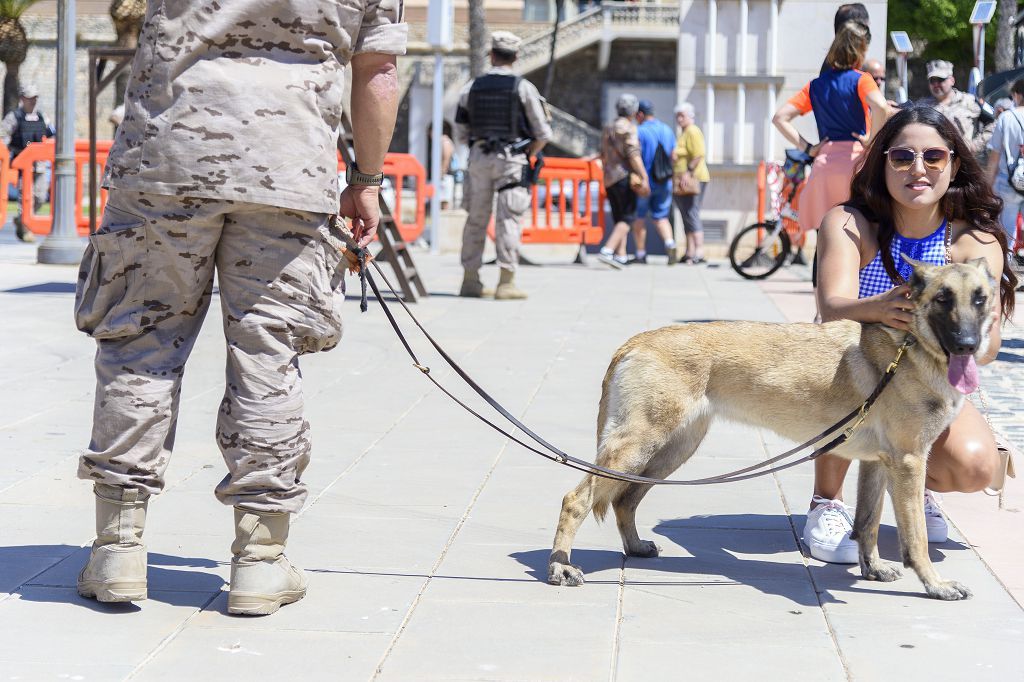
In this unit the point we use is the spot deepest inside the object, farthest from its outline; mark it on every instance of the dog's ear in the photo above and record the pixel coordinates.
(982, 264)
(919, 278)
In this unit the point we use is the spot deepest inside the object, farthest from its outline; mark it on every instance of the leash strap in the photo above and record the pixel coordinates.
(557, 455)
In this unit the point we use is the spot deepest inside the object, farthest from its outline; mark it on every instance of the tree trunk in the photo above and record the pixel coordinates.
(1004, 35)
(11, 85)
(549, 78)
(477, 38)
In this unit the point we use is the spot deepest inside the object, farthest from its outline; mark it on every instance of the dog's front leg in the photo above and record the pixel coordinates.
(906, 475)
(870, 498)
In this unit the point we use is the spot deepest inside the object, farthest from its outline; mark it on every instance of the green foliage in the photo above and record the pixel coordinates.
(943, 29)
(13, 9)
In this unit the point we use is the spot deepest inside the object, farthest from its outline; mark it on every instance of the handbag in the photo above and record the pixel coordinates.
(685, 185)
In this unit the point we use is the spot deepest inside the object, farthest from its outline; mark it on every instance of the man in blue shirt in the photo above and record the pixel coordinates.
(653, 134)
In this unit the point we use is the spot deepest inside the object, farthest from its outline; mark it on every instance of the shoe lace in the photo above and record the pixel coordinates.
(834, 515)
(931, 506)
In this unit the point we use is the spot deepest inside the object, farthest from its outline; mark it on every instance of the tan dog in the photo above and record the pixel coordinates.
(664, 387)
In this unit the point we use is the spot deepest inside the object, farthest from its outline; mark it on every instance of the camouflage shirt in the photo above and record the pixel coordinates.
(963, 111)
(242, 100)
(619, 141)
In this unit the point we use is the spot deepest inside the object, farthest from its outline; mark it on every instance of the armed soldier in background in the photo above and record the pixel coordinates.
(502, 118)
(959, 107)
(19, 129)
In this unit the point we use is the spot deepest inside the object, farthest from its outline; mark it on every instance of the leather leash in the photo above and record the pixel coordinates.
(553, 453)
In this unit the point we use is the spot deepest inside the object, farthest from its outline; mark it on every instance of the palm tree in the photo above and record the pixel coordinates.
(127, 16)
(477, 38)
(13, 46)
(1005, 31)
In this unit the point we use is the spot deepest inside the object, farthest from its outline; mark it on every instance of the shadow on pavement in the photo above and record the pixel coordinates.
(45, 288)
(48, 573)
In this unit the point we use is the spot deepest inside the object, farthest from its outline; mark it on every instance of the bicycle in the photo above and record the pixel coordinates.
(759, 250)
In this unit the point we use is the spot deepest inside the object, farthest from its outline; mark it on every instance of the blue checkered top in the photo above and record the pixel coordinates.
(875, 280)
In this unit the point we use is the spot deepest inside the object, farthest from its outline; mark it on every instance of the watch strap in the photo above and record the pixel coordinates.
(353, 176)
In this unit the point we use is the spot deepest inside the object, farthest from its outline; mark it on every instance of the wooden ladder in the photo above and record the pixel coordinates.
(393, 246)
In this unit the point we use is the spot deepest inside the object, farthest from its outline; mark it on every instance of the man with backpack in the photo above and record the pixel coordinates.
(1006, 160)
(21, 127)
(657, 140)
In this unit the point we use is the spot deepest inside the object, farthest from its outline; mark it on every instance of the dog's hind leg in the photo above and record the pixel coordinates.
(674, 453)
(870, 499)
(576, 505)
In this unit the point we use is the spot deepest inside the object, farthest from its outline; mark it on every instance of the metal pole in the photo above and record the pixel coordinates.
(436, 172)
(62, 246)
(981, 53)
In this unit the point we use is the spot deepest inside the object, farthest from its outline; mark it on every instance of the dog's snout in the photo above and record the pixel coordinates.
(965, 342)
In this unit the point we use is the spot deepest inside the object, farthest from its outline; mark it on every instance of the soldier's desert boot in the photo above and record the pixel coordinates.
(116, 570)
(262, 578)
(472, 287)
(507, 290)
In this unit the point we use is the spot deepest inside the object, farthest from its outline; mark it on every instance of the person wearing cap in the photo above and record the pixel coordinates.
(624, 176)
(1004, 153)
(959, 107)
(654, 136)
(19, 128)
(501, 116)
(226, 164)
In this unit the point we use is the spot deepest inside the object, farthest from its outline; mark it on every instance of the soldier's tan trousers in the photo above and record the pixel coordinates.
(487, 173)
(144, 287)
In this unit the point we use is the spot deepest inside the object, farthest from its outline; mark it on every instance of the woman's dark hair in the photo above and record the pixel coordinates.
(1018, 87)
(968, 198)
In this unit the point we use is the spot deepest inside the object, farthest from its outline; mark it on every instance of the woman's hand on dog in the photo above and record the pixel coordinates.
(895, 308)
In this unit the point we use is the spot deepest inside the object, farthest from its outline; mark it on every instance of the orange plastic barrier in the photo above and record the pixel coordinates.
(406, 172)
(45, 151)
(5, 179)
(403, 169)
(572, 210)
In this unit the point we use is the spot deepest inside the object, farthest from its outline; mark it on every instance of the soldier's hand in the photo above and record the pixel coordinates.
(360, 204)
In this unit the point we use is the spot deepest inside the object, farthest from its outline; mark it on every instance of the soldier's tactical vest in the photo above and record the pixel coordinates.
(495, 111)
(26, 132)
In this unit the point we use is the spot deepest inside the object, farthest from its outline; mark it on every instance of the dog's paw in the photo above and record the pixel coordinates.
(565, 574)
(644, 549)
(882, 572)
(948, 590)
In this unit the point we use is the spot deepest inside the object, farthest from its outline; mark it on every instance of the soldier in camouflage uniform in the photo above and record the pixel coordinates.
(959, 107)
(502, 118)
(226, 161)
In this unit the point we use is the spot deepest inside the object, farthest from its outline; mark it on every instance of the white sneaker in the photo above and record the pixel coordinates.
(934, 521)
(610, 261)
(827, 532)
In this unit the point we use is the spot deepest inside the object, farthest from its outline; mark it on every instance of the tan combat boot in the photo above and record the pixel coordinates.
(472, 287)
(507, 290)
(116, 570)
(262, 578)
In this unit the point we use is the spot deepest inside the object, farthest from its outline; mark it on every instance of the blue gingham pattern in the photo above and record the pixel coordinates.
(875, 280)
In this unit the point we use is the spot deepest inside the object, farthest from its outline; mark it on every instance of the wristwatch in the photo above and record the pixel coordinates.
(354, 177)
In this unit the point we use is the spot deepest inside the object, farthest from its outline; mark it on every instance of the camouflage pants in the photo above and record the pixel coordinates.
(487, 173)
(144, 288)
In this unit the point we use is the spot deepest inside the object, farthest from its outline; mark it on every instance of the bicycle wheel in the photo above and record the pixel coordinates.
(758, 250)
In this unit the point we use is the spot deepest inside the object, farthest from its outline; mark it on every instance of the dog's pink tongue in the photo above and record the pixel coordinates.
(963, 373)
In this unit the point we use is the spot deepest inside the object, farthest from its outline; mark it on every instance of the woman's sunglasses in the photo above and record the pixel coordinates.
(903, 158)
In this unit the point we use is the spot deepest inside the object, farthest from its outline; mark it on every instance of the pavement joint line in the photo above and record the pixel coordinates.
(619, 616)
(426, 392)
(476, 496)
(162, 644)
(437, 564)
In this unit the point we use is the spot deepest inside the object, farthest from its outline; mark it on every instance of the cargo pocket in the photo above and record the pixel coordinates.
(108, 295)
(326, 294)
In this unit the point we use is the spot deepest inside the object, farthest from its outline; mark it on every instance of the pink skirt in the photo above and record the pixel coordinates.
(829, 184)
